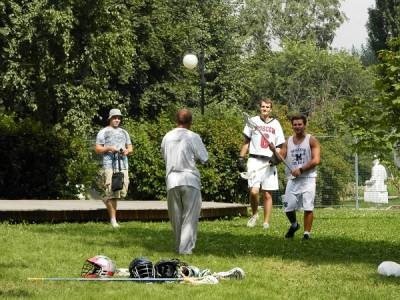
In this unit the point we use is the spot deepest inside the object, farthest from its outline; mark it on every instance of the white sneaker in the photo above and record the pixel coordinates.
(266, 226)
(252, 221)
(114, 224)
(235, 273)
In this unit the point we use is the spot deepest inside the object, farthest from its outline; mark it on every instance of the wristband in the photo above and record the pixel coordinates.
(301, 170)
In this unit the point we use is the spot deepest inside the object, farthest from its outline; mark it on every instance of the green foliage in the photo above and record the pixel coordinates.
(304, 77)
(383, 24)
(266, 23)
(65, 63)
(147, 169)
(220, 129)
(366, 54)
(40, 162)
(380, 135)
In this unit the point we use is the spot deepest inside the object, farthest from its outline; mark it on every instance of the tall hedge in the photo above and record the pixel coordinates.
(221, 133)
(40, 162)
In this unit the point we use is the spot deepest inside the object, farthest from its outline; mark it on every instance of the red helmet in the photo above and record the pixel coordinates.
(98, 266)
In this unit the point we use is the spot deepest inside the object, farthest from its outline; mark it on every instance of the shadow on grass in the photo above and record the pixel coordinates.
(250, 243)
(15, 293)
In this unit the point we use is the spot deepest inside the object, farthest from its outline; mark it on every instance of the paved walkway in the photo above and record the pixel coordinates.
(94, 210)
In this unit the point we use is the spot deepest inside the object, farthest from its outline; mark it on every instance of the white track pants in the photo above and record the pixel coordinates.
(184, 207)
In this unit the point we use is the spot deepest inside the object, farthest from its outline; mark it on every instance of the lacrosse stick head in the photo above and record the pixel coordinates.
(141, 268)
(248, 121)
(97, 267)
(247, 175)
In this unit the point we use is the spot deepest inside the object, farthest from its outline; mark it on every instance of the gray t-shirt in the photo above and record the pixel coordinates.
(118, 137)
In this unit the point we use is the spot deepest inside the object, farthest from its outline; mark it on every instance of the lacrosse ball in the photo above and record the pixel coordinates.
(389, 268)
(190, 61)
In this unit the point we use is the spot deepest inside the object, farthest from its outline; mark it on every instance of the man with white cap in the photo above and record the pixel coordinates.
(112, 141)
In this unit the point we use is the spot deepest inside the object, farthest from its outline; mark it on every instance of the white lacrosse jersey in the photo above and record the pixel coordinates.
(181, 148)
(259, 143)
(299, 155)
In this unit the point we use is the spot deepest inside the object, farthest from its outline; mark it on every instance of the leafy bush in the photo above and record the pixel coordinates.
(220, 130)
(41, 162)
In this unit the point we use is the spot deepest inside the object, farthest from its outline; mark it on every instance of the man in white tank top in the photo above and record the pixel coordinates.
(260, 155)
(302, 155)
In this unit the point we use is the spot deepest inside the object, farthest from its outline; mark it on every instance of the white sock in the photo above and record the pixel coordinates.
(113, 221)
(307, 232)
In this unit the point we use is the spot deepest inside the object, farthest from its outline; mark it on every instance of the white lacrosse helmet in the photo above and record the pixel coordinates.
(98, 266)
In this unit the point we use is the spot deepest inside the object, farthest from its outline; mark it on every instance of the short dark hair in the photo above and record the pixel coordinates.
(183, 116)
(299, 117)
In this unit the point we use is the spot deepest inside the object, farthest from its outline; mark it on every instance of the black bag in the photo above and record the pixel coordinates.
(117, 179)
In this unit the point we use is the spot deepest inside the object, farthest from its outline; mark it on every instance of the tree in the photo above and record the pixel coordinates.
(305, 77)
(366, 55)
(272, 22)
(383, 23)
(373, 121)
(66, 63)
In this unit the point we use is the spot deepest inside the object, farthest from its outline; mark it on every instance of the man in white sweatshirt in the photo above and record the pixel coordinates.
(181, 148)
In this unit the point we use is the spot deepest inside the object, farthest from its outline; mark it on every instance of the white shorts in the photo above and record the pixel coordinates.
(300, 194)
(266, 177)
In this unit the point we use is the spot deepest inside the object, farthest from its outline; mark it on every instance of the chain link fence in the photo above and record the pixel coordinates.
(342, 179)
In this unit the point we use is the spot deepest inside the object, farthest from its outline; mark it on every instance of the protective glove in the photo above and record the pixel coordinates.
(275, 160)
(241, 164)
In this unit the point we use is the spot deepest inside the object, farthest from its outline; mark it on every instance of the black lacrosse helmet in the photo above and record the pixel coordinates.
(141, 267)
(168, 268)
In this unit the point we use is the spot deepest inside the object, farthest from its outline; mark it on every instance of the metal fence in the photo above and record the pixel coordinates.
(339, 186)
(334, 188)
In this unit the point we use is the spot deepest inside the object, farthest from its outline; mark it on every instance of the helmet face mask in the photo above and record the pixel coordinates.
(168, 268)
(141, 268)
(98, 266)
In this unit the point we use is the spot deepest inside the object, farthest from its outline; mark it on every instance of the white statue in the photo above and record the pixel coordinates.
(375, 188)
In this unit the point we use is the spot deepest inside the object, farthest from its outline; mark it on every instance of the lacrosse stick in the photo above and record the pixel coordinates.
(113, 279)
(209, 279)
(252, 174)
(254, 126)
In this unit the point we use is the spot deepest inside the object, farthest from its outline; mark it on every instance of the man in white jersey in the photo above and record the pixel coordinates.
(109, 142)
(181, 148)
(259, 162)
(302, 154)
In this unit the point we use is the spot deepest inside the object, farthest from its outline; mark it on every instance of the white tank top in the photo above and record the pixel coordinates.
(299, 155)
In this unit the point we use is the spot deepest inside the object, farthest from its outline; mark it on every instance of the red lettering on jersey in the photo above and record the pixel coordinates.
(267, 129)
(264, 141)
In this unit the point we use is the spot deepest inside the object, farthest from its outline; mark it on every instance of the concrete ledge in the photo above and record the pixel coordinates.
(94, 210)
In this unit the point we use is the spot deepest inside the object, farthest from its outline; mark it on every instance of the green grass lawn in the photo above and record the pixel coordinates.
(340, 262)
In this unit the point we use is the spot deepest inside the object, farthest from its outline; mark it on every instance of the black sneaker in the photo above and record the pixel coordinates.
(306, 237)
(291, 231)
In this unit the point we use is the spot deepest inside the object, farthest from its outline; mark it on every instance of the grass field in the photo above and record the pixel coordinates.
(340, 262)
